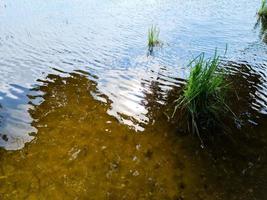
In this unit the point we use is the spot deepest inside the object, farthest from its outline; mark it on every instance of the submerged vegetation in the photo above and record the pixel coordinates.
(203, 99)
(153, 37)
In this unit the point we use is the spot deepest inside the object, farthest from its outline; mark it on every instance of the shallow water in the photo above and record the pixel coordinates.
(88, 154)
(83, 107)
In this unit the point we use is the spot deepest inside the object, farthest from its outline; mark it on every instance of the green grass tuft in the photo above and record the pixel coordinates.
(153, 37)
(263, 9)
(204, 95)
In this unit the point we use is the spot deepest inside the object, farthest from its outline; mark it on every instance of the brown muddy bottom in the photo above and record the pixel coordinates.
(83, 153)
(106, 134)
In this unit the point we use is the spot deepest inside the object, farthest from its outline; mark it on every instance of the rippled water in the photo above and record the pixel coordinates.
(82, 102)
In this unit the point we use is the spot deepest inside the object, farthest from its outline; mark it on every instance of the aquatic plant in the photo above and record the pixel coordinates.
(203, 97)
(153, 37)
(262, 20)
(263, 9)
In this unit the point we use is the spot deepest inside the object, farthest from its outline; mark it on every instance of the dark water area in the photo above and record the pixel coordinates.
(84, 109)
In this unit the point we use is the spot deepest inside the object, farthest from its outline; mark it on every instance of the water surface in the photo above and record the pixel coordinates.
(83, 105)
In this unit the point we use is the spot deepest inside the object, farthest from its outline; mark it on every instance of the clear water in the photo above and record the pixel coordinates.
(82, 103)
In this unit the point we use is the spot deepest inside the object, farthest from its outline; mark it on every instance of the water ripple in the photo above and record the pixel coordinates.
(107, 40)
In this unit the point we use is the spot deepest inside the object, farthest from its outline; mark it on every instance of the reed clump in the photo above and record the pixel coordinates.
(203, 99)
(153, 37)
(262, 13)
